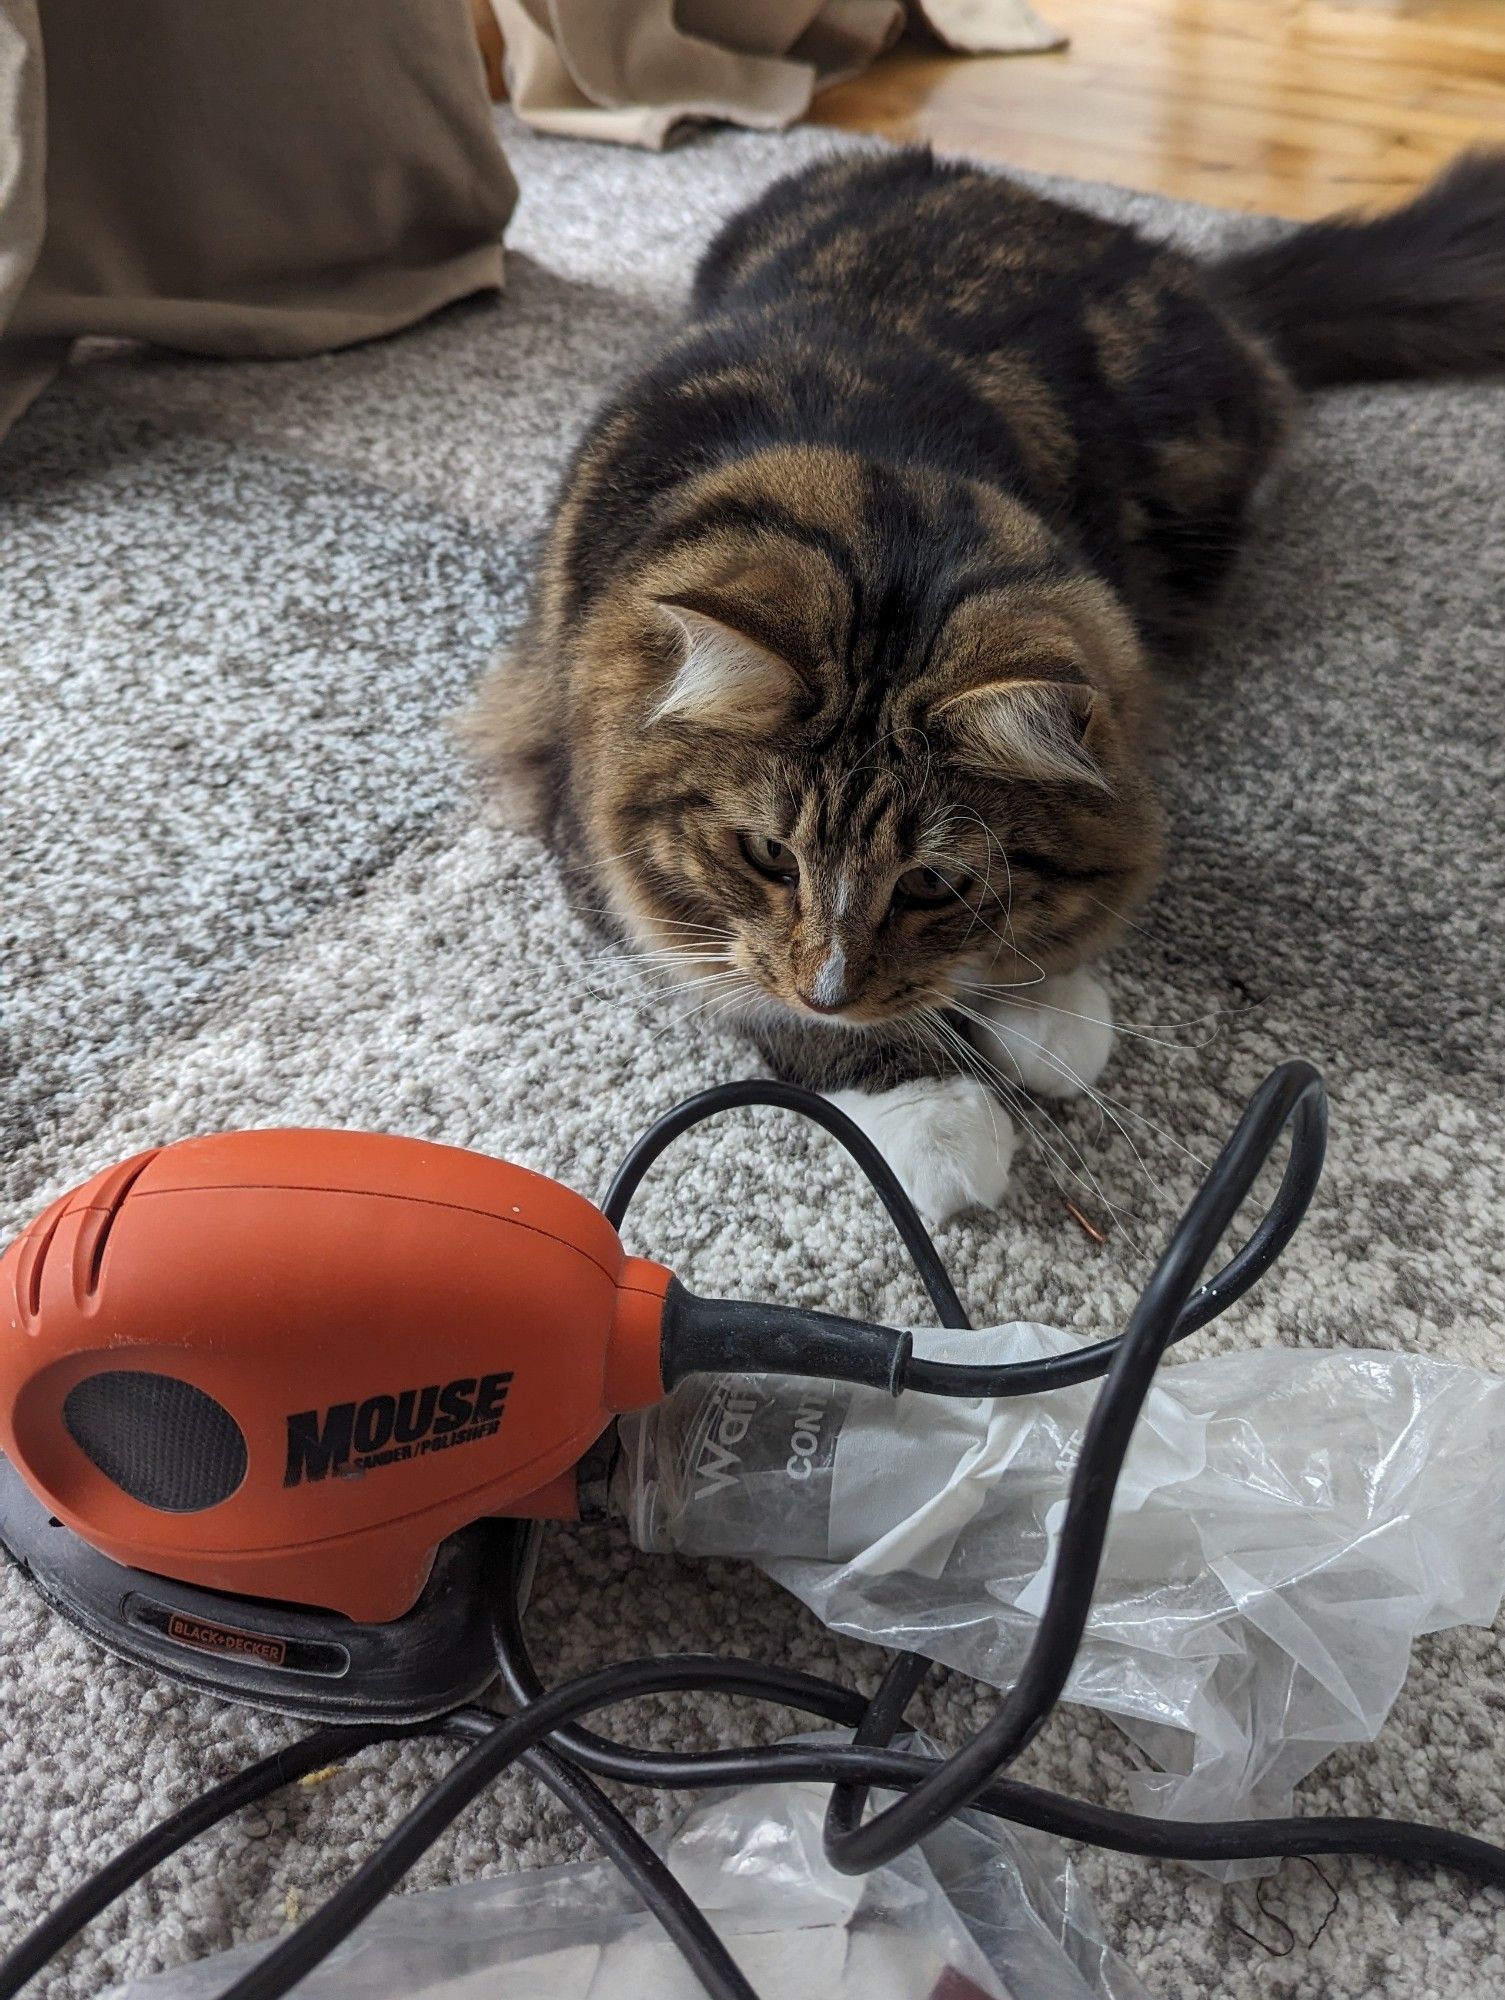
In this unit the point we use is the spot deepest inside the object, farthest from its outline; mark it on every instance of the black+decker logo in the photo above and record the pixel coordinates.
(207, 1638)
(389, 1430)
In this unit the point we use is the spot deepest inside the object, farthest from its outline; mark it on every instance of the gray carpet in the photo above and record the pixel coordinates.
(244, 883)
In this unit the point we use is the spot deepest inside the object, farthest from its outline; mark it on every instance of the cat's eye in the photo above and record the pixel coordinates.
(926, 886)
(770, 857)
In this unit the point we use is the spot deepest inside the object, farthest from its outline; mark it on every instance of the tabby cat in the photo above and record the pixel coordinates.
(838, 689)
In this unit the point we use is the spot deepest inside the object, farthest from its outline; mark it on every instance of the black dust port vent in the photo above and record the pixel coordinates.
(165, 1442)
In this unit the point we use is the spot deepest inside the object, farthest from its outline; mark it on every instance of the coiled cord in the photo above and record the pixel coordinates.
(546, 1734)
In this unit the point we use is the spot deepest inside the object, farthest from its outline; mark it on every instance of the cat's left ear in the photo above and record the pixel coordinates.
(1036, 728)
(725, 678)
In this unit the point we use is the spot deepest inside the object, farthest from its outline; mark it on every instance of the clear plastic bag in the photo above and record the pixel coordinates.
(1289, 1521)
(998, 1916)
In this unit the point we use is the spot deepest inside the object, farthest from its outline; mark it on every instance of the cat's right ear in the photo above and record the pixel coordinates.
(725, 679)
(1036, 728)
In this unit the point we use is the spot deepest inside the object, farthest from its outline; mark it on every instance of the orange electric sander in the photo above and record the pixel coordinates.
(261, 1393)
(276, 1406)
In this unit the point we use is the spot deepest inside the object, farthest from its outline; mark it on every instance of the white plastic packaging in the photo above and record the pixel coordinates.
(999, 1916)
(1288, 1522)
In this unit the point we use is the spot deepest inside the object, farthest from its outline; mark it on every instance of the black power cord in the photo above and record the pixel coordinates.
(934, 1789)
(1293, 1092)
(657, 1886)
(544, 1733)
(283, 1767)
(612, 1831)
(722, 1097)
(1005, 1798)
(882, 1719)
(731, 1336)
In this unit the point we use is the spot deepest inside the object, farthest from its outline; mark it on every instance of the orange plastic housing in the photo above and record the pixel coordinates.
(407, 1337)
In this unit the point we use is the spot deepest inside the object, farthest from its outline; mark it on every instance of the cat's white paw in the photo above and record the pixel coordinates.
(948, 1140)
(1058, 1038)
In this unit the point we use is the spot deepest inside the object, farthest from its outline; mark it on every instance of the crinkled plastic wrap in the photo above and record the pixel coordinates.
(1288, 1522)
(983, 1914)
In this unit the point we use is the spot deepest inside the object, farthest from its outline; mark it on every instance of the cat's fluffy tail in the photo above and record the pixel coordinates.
(1416, 293)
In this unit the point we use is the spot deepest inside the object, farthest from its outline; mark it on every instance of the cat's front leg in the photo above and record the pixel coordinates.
(947, 1137)
(1056, 1037)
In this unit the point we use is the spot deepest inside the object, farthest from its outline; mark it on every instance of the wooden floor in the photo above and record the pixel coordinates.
(1293, 107)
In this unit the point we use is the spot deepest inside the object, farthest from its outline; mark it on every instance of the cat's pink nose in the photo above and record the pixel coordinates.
(830, 988)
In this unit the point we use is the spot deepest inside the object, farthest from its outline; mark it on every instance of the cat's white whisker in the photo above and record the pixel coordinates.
(716, 931)
(695, 954)
(1016, 1100)
(722, 1003)
(677, 985)
(1117, 915)
(989, 1100)
(687, 955)
(597, 863)
(661, 983)
(871, 750)
(991, 841)
(1153, 1032)
(661, 923)
(1107, 1105)
(1027, 1109)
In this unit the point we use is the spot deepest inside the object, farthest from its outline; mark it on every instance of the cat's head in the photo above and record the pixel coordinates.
(854, 739)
